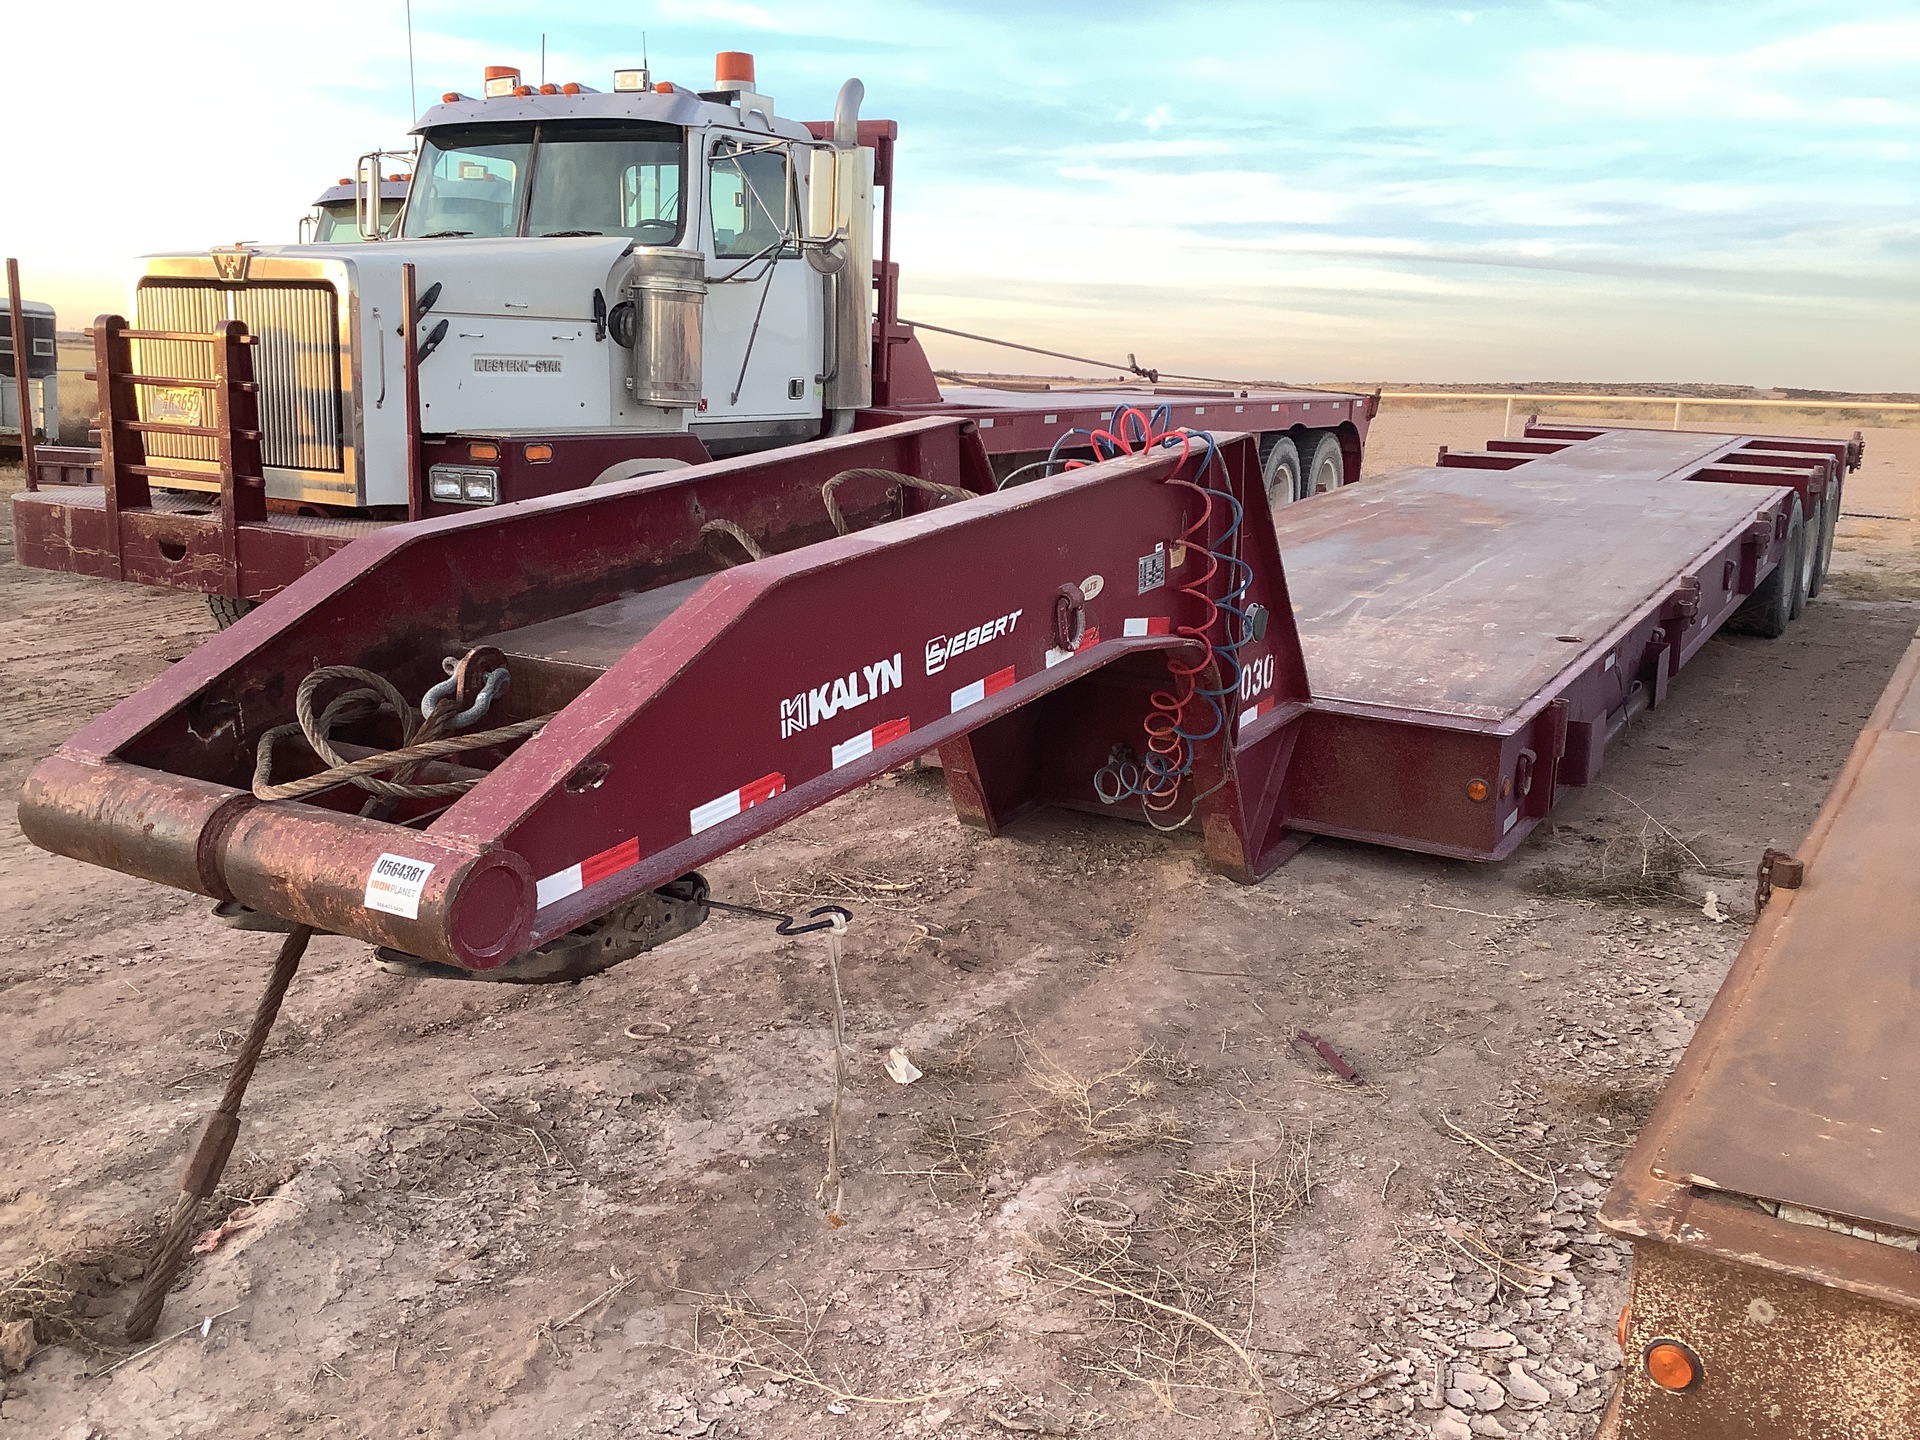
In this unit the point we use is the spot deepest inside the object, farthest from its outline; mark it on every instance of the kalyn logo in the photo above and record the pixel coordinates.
(943, 648)
(823, 702)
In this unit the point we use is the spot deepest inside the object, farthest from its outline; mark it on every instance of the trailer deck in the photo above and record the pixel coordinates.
(1773, 1200)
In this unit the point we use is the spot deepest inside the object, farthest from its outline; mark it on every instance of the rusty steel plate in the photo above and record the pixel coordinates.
(1805, 1093)
(1465, 593)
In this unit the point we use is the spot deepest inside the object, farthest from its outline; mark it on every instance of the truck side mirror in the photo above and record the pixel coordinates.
(822, 222)
(366, 196)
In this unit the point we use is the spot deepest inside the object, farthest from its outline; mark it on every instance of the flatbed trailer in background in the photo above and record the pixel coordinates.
(1773, 1199)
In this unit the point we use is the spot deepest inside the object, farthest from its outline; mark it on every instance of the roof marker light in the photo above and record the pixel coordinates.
(501, 81)
(570, 88)
(451, 97)
(631, 80)
(523, 89)
(549, 89)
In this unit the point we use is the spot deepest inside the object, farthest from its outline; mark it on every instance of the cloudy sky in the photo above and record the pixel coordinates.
(1315, 189)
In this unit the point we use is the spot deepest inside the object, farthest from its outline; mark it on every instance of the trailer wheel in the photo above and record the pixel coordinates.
(1326, 467)
(1829, 522)
(228, 611)
(1280, 469)
(1769, 610)
(1815, 525)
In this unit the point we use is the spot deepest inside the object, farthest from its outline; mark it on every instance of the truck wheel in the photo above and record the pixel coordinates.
(1280, 469)
(1829, 521)
(1769, 609)
(226, 612)
(1326, 467)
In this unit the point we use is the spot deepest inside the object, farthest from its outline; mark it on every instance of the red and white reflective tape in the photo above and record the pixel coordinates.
(1151, 625)
(1253, 712)
(736, 802)
(980, 689)
(594, 868)
(868, 741)
(1055, 655)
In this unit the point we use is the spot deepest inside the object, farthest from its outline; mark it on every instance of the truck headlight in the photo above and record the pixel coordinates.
(464, 484)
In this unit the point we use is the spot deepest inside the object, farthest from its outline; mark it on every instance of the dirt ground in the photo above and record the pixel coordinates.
(1123, 1199)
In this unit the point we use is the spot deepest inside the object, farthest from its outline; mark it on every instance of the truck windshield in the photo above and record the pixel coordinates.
(338, 223)
(556, 177)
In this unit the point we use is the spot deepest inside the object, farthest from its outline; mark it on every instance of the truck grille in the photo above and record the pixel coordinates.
(296, 363)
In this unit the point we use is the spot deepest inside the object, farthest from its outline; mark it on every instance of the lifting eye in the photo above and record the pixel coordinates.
(1069, 618)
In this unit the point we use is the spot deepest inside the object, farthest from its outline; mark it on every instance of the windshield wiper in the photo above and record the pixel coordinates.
(567, 234)
(447, 235)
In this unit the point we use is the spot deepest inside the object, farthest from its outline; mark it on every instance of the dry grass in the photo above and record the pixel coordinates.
(1172, 1296)
(785, 1344)
(1113, 1112)
(832, 883)
(1644, 869)
(64, 1293)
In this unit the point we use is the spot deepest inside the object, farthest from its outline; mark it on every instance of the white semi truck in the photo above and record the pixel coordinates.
(644, 260)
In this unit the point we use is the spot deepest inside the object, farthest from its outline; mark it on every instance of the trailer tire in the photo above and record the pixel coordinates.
(1280, 469)
(1769, 610)
(1809, 556)
(1326, 467)
(227, 611)
(1829, 521)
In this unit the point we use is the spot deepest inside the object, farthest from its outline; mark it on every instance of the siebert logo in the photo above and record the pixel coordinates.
(943, 648)
(823, 702)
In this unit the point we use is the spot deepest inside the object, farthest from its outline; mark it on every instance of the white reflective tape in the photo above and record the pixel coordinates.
(557, 886)
(1147, 625)
(968, 695)
(705, 817)
(848, 751)
(1510, 820)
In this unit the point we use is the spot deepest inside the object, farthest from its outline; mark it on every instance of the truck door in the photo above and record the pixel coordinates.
(763, 312)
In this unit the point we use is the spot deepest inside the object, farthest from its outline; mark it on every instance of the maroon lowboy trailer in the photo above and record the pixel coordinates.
(610, 705)
(1773, 1199)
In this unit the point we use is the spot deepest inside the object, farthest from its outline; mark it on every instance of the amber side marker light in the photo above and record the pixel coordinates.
(1671, 1365)
(483, 450)
(1476, 790)
(538, 454)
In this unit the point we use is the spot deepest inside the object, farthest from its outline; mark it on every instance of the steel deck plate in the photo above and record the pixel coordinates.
(1448, 592)
(1806, 1093)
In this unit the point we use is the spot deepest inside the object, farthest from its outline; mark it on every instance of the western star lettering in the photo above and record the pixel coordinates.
(517, 364)
(823, 702)
(943, 648)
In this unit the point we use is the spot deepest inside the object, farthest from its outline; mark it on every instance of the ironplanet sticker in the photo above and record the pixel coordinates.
(395, 884)
(517, 365)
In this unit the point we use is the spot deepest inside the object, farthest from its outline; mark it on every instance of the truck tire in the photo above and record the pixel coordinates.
(1769, 610)
(1829, 521)
(1326, 467)
(226, 612)
(1280, 469)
